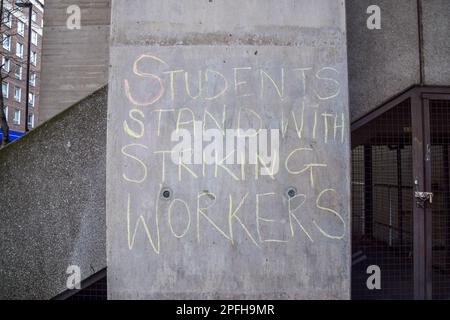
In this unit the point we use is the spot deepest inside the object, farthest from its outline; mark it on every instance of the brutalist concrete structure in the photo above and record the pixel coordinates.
(410, 49)
(205, 230)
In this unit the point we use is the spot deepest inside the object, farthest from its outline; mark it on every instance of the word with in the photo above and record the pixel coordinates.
(74, 280)
(232, 219)
(192, 151)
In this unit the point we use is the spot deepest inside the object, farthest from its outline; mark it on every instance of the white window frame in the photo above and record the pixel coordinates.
(5, 108)
(20, 28)
(18, 76)
(33, 16)
(6, 64)
(33, 58)
(19, 53)
(31, 99)
(7, 89)
(30, 123)
(8, 19)
(18, 98)
(16, 121)
(33, 78)
(7, 37)
(34, 37)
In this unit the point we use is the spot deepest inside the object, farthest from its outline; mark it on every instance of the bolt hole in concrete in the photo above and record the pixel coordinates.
(291, 192)
(166, 193)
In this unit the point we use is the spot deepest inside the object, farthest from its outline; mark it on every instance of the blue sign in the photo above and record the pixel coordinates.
(13, 135)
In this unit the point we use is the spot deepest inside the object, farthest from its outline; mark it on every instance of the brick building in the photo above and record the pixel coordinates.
(14, 51)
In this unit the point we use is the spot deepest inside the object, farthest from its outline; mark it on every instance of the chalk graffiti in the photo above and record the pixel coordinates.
(166, 103)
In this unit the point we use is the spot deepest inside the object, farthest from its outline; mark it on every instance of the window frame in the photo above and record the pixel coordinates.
(6, 36)
(17, 121)
(7, 89)
(33, 77)
(33, 58)
(6, 62)
(8, 18)
(31, 101)
(20, 31)
(34, 37)
(19, 45)
(30, 124)
(19, 77)
(20, 94)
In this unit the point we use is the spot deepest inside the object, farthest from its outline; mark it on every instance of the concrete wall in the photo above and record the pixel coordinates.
(382, 63)
(52, 202)
(168, 245)
(385, 62)
(74, 62)
(436, 41)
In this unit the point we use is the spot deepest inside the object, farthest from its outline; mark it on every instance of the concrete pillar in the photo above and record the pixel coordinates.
(213, 227)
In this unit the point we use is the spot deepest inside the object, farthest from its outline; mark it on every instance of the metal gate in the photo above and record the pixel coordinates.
(401, 199)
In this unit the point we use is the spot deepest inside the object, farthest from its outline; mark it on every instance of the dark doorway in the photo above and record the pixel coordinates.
(382, 205)
(439, 115)
(401, 199)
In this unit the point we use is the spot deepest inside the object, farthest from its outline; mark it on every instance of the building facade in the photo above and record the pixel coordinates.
(14, 64)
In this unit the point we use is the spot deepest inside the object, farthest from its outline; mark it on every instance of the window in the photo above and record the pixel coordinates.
(5, 89)
(30, 120)
(17, 93)
(33, 16)
(5, 109)
(20, 28)
(33, 58)
(5, 64)
(34, 37)
(33, 78)
(7, 42)
(18, 71)
(16, 118)
(19, 50)
(7, 19)
(31, 99)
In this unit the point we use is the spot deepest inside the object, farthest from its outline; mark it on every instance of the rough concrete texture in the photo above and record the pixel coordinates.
(382, 63)
(436, 41)
(52, 202)
(226, 231)
(74, 61)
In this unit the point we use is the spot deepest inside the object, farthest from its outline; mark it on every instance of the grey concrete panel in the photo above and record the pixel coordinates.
(52, 202)
(190, 245)
(436, 41)
(74, 62)
(382, 63)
